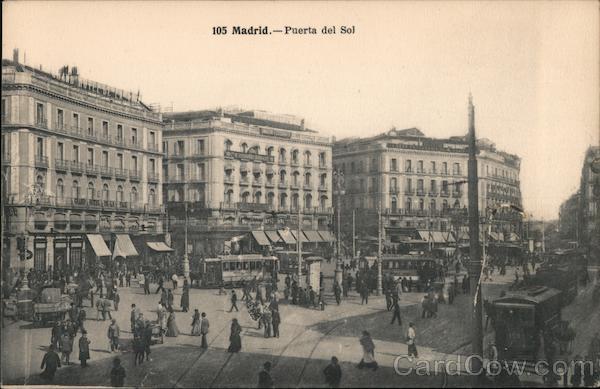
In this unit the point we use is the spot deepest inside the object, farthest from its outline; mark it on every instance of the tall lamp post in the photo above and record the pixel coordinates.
(186, 258)
(339, 191)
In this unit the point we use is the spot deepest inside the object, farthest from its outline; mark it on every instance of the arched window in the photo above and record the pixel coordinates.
(282, 155)
(282, 176)
(244, 147)
(307, 160)
(90, 191)
(257, 197)
(393, 185)
(394, 204)
(254, 150)
(245, 197)
(75, 190)
(421, 204)
(294, 156)
(408, 204)
(134, 196)
(271, 199)
(283, 200)
(228, 145)
(323, 202)
(307, 178)
(445, 204)
(432, 205)
(295, 199)
(295, 178)
(229, 197)
(120, 193)
(323, 180)
(457, 204)
(60, 189)
(308, 201)
(152, 197)
(105, 193)
(39, 181)
(270, 151)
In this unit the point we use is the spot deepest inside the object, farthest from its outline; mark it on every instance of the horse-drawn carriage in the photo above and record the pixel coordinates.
(51, 307)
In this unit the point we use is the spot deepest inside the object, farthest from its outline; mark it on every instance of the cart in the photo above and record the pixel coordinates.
(49, 313)
(158, 335)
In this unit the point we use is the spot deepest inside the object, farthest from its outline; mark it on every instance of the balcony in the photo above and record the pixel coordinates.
(95, 203)
(457, 194)
(245, 180)
(106, 172)
(178, 179)
(6, 159)
(135, 175)
(197, 178)
(444, 193)
(76, 167)
(41, 161)
(257, 182)
(260, 207)
(269, 184)
(109, 204)
(41, 122)
(323, 187)
(153, 177)
(120, 173)
(61, 165)
(322, 165)
(153, 147)
(79, 202)
(282, 185)
(228, 179)
(394, 191)
(307, 186)
(433, 193)
(295, 185)
(91, 169)
(420, 192)
(295, 162)
(230, 206)
(122, 204)
(409, 192)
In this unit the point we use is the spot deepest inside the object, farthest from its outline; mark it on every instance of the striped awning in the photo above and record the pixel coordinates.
(302, 238)
(287, 237)
(124, 247)
(98, 244)
(273, 236)
(161, 247)
(261, 238)
(327, 236)
(313, 236)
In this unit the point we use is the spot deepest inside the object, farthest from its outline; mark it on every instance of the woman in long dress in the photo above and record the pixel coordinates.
(172, 330)
(185, 297)
(235, 341)
(196, 323)
(368, 359)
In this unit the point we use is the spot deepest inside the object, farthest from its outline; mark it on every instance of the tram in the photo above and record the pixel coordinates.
(414, 267)
(233, 270)
(522, 317)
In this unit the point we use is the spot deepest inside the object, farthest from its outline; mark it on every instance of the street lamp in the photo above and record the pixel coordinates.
(339, 185)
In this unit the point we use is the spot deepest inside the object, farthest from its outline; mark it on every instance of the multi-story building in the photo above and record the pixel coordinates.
(241, 171)
(589, 203)
(81, 170)
(420, 183)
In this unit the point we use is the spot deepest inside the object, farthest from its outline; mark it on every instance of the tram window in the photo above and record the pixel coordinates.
(258, 265)
(252, 265)
(225, 266)
(245, 265)
(238, 266)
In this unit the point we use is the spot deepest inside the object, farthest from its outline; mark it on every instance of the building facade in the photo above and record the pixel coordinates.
(234, 172)
(81, 167)
(589, 203)
(420, 183)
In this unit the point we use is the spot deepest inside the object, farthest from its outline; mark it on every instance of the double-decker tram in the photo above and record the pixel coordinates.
(417, 268)
(233, 270)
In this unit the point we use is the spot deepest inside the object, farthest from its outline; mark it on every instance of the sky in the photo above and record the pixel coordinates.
(532, 67)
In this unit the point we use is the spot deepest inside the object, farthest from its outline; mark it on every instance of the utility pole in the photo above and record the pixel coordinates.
(379, 253)
(338, 182)
(299, 247)
(186, 258)
(543, 237)
(353, 233)
(474, 252)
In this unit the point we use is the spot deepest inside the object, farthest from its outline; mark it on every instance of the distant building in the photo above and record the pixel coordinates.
(420, 185)
(239, 172)
(568, 216)
(80, 166)
(589, 208)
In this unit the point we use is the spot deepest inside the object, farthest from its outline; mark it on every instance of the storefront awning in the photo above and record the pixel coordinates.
(302, 238)
(287, 237)
(124, 247)
(313, 236)
(273, 236)
(436, 236)
(327, 236)
(98, 244)
(261, 238)
(161, 247)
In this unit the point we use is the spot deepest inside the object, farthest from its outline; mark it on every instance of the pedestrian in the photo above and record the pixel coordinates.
(134, 317)
(66, 347)
(233, 302)
(388, 299)
(99, 312)
(410, 340)
(50, 363)
(185, 297)
(175, 280)
(204, 326)
(276, 320)
(106, 308)
(333, 373)
(113, 335)
(128, 279)
(396, 309)
(146, 284)
(264, 376)
(364, 294)
(337, 292)
(160, 285)
(55, 336)
(139, 349)
(84, 349)
(116, 299)
(172, 330)
(368, 359)
(235, 340)
(117, 374)
(147, 339)
(267, 320)
(196, 323)
(170, 299)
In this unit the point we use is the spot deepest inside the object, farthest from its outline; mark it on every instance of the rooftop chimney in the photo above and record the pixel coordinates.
(16, 55)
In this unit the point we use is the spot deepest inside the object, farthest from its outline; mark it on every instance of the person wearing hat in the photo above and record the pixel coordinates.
(117, 374)
(333, 373)
(50, 363)
(84, 349)
(113, 335)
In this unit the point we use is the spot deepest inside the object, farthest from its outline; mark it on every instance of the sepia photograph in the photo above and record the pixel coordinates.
(282, 194)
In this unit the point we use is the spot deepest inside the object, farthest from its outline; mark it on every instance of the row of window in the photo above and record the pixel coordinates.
(420, 204)
(359, 185)
(257, 198)
(104, 194)
(91, 127)
(281, 153)
(359, 167)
